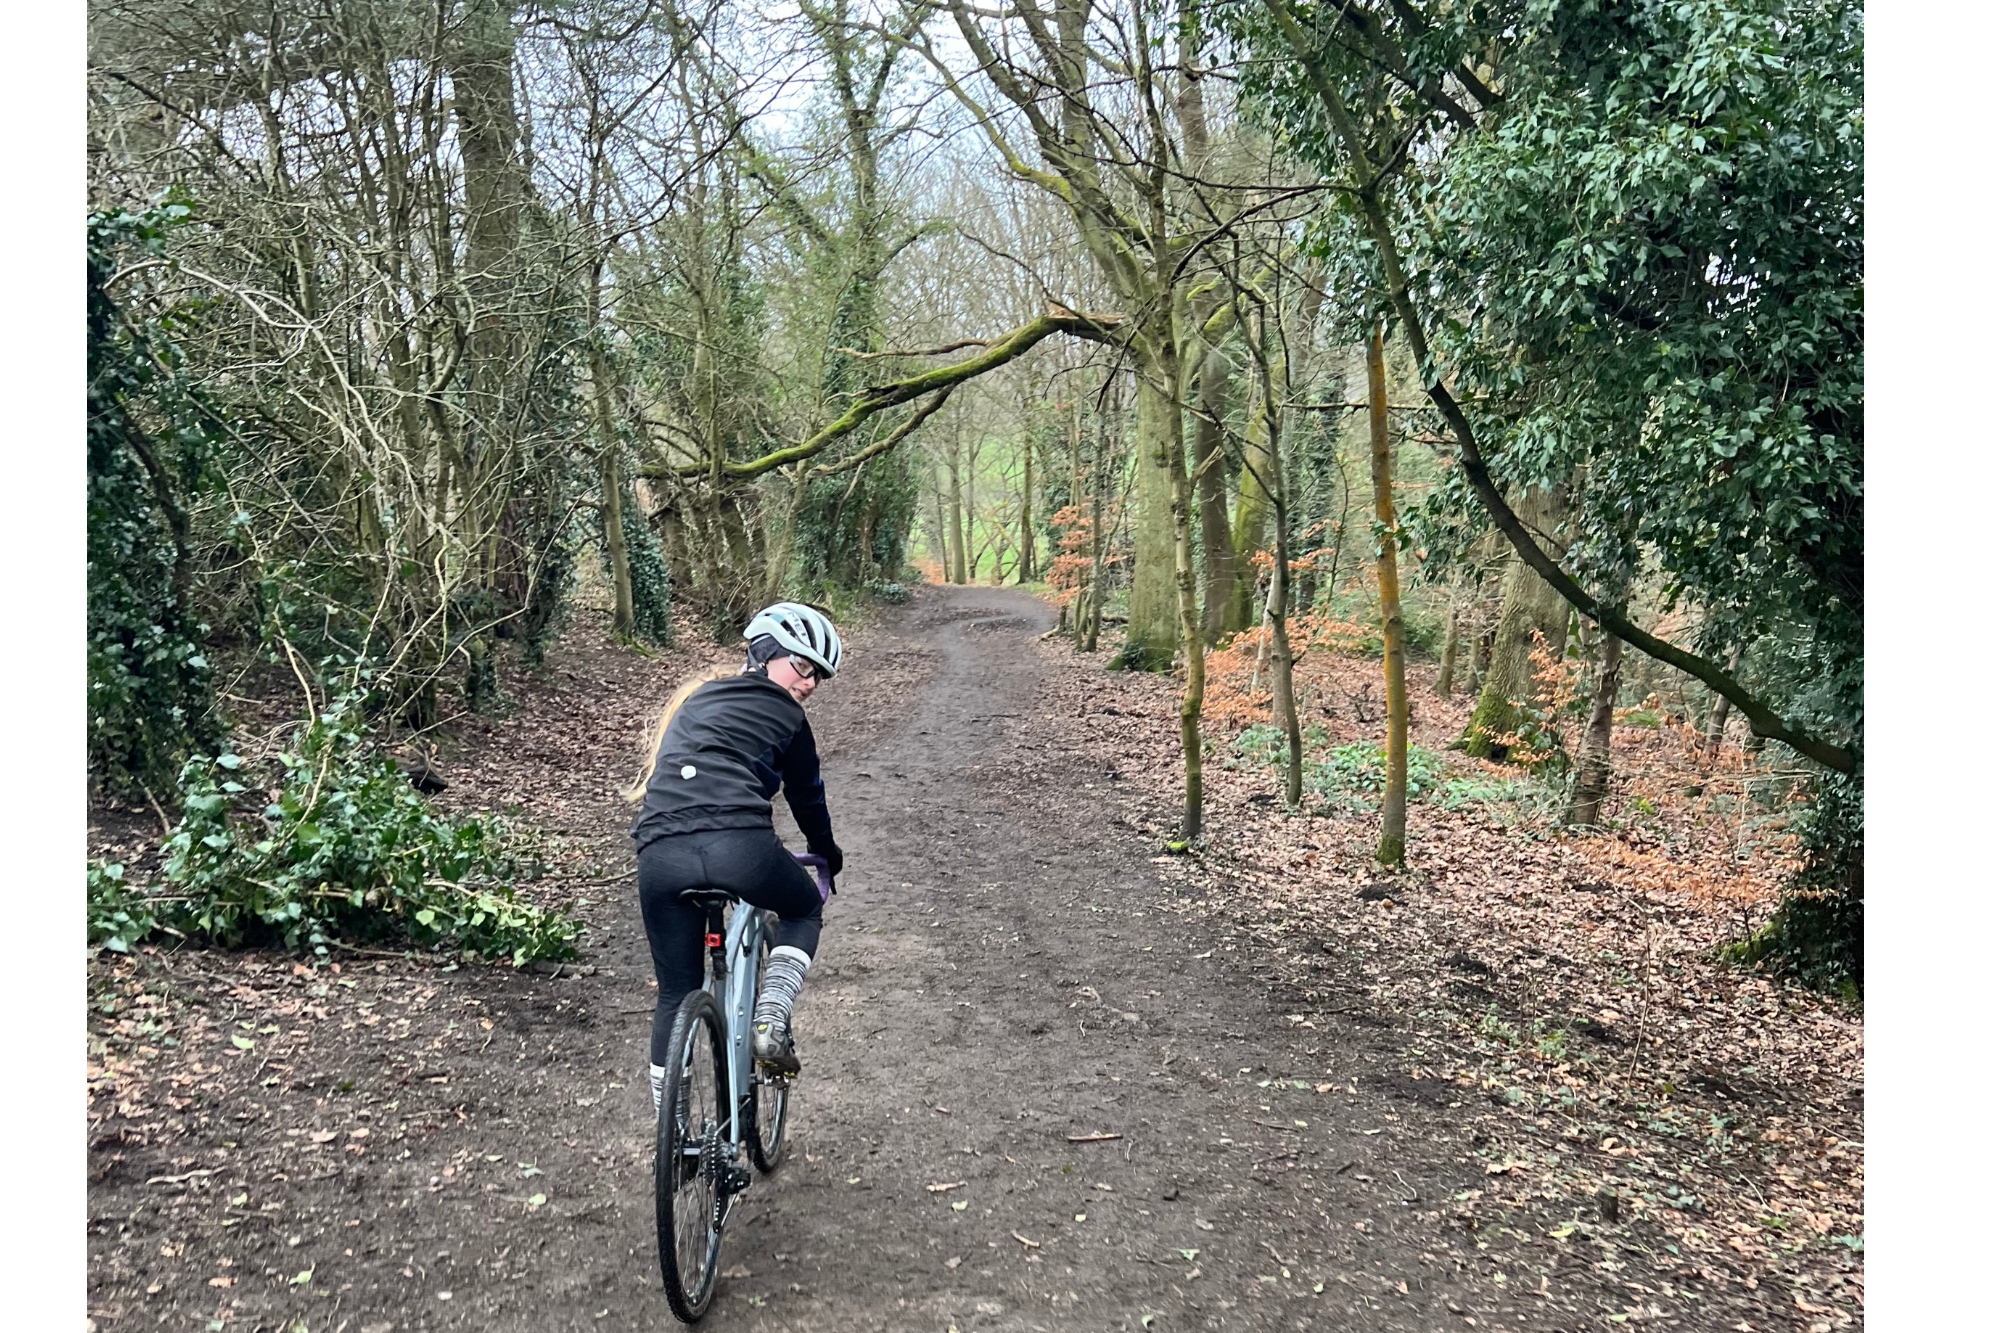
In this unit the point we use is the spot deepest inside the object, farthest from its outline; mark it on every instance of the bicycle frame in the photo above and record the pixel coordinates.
(732, 980)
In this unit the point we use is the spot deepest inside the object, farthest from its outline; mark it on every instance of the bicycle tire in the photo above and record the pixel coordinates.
(770, 1094)
(688, 1207)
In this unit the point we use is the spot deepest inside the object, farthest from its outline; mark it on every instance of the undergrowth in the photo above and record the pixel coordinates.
(326, 842)
(1351, 778)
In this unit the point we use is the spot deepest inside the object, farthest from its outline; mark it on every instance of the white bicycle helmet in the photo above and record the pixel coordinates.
(801, 630)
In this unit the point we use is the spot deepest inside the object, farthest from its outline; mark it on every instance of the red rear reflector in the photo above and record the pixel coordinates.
(714, 941)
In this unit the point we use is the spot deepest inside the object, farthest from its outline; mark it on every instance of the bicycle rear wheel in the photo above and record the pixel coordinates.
(770, 1093)
(693, 1127)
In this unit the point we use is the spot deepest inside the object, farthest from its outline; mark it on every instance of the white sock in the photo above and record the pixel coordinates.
(784, 974)
(657, 1074)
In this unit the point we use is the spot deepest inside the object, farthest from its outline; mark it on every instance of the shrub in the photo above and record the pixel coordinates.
(343, 848)
(1346, 774)
(1815, 935)
(1357, 768)
(119, 915)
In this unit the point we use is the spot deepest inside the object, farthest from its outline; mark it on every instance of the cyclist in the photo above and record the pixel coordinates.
(723, 747)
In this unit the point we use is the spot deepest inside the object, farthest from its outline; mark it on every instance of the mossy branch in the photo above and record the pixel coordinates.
(881, 397)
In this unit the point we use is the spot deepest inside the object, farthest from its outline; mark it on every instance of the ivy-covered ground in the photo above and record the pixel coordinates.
(1055, 1077)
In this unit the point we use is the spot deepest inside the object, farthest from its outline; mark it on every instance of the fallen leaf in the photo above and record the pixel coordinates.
(942, 1186)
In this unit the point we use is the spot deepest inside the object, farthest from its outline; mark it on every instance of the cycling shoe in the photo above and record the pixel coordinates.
(771, 1043)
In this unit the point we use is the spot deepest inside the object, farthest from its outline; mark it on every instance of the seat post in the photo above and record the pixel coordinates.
(717, 963)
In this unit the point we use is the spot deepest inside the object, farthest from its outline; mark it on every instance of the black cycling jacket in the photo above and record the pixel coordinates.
(733, 743)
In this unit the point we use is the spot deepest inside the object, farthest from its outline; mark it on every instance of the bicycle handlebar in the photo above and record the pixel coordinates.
(821, 875)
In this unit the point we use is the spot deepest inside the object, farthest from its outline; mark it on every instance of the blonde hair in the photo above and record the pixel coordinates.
(637, 791)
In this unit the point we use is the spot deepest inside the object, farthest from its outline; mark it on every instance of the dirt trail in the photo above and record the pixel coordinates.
(1000, 978)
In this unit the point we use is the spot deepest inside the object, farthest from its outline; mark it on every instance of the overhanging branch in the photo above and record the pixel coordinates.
(880, 397)
(889, 441)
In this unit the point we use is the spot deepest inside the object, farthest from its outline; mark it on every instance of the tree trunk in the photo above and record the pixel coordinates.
(972, 553)
(1277, 646)
(611, 481)
(1194, 652)
(940, 544)
(1217, 543)
(1026, 572)
(1253, 515)
(1277, 650)
(1151, 633)
(1448, 665)
(1718, 712)
(1593, 764)
(1097, 484)
(955, 534)
(673, 543)
(482, 75)
(1527, 605)
(1394, 794)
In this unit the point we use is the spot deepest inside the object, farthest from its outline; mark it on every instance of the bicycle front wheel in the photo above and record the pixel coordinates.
(693, 1129)
(770, 1093)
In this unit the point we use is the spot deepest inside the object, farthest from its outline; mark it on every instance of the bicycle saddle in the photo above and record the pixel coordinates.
(707, 897)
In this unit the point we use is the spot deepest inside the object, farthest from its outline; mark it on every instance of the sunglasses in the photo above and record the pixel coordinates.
(805, 668)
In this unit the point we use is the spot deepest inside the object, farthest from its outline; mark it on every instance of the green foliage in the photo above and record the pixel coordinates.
(852, 530)
(328, 841)
(1352, 777)
(1641, 266)
(149, 441)
(1264, 745)
(1349, 771)
(1459, 790)
(1815, 935)
(119, 914)
(652, 591)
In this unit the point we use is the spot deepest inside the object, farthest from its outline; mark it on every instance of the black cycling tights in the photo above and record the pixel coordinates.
(750, 863)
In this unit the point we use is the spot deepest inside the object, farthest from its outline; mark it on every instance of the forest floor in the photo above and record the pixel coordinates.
(1054, 1078)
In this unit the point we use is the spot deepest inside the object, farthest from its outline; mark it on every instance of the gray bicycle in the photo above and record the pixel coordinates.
(718, 1104)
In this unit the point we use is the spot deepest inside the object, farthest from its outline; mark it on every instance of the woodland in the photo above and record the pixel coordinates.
(1427, 406)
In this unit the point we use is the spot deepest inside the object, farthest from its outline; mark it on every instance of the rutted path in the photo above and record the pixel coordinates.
(1033, 1098)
